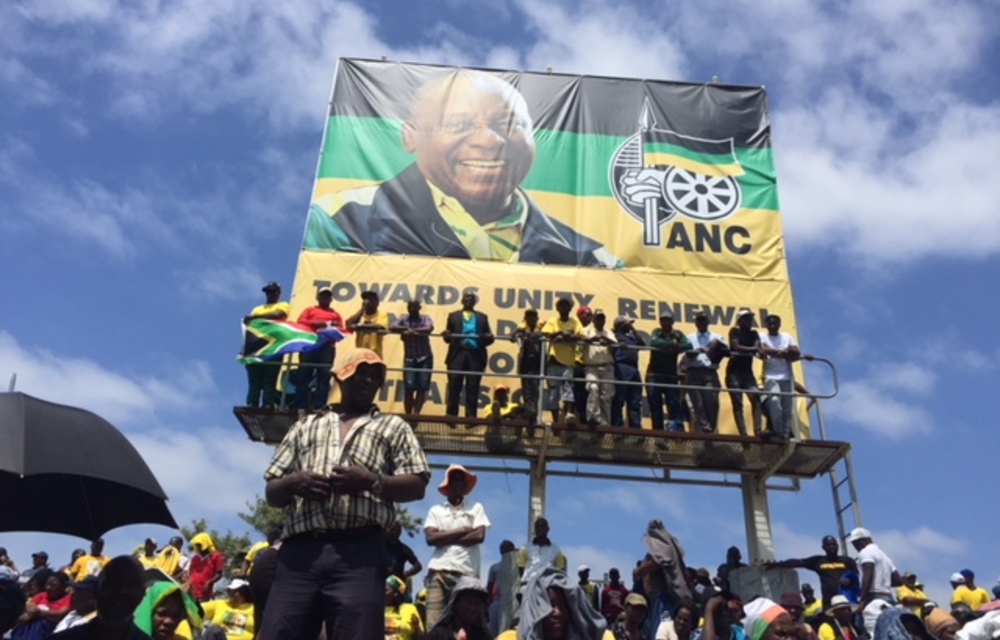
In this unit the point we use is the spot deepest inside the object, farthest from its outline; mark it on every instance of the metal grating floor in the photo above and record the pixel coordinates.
(627, 448)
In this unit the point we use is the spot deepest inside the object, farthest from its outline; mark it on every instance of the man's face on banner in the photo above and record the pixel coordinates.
(472, 135)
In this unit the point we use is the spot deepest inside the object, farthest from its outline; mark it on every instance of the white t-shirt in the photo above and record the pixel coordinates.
(539, 556)
(882, 569)
(777, 368)
(701, 341)
(455, 557)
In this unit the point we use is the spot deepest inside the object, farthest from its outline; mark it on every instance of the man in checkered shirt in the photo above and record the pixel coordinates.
(338, 474)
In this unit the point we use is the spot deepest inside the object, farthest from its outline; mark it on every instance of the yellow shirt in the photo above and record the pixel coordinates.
(148, 562)
(904, 591)
(403, 623)
(500, 240)
(86, 566)
(254, 550)
(265, 309)
(372, 339)
(813, 610)
(563, 352)
(169, 561)
(975, 598)
(237, 621)
(512, 635)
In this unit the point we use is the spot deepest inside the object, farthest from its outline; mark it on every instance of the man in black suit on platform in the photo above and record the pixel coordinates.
(467, 333)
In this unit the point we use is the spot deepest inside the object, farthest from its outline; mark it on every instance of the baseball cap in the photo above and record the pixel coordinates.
(623, 320)
(667, 313)
(354, 359)
(583, 568)
(957, 578)
(324, 290)
(271, 286)
(40, 554)
(701, 314)
(806, 587)
(636, 600)
(744, 312)
(968, 574)
(582, 310)
(859, 533)
(600, 312)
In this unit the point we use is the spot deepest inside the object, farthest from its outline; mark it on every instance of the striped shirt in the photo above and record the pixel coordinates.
(379, 442)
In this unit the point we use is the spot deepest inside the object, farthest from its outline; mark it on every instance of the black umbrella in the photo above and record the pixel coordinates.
(67, 470)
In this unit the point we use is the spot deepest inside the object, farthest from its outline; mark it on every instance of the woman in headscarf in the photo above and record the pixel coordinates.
(466, 611)
(552, 608)
(941, 625)
(164, 608)
(767, 620)
(898, 623)
(205, 568)
(402, 620)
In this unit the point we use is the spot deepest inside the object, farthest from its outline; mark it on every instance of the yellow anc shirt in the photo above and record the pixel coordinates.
(265, 309)
(975, 598)
(236, 621)
(86, 566)
(563, 352)
(500, 240)
(371, 339)
(402, 623)
(904, 591)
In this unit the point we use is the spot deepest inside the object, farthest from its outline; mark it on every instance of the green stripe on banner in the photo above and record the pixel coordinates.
(569, 163)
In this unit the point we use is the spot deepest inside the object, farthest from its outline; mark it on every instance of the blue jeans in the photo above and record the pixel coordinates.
(627, 396)
(656, 396)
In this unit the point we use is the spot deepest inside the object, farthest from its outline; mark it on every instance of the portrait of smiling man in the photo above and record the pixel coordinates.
(474, 144)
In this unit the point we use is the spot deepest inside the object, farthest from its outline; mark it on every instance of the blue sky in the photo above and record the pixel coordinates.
(156, 164)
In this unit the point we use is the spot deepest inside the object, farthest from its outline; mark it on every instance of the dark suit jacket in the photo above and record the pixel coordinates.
(455, 324)
(403, 219)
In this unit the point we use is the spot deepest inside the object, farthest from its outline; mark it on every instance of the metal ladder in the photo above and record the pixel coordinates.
(841, 476)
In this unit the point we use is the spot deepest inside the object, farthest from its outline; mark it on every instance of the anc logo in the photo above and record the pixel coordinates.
(657, 174)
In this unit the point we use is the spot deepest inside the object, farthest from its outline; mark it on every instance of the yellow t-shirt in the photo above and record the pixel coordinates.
(271, 308)
(402, 623)
(512, 635)
(86, 566)
(371, 339)
(237, 621)
(904, 591)
(148, 562)
(975, 598)
(813, 610)
(563, 352)
(254, 550)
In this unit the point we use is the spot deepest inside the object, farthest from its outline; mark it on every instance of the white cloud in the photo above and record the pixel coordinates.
(649, 501)
(866, 405)
(599, 561)
(116, 396)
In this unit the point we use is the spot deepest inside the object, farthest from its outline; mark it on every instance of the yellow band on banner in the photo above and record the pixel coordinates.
(505, 290)
(672, 160)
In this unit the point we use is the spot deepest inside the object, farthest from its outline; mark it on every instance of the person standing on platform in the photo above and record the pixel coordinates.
(744, 345)
(564, 333)
(456, 530)
(599, 361)
(529, 359)
(369, 323)
(338, 475)
(779, 351)
(415, 328)
(586, 317)
(667, 344)
(262, 377)
(701, 369)
(467, 333)
(627, 370)
(314, 366)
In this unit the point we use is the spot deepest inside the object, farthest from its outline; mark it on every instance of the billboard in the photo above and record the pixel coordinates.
(632, 196)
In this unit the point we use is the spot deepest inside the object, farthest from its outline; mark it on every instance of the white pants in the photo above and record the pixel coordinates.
(872, 612)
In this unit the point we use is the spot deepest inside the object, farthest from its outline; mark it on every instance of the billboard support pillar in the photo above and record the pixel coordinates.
(757, 519)
(536, 494)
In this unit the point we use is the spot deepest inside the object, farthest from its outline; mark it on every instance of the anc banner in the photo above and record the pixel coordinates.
(629, 195)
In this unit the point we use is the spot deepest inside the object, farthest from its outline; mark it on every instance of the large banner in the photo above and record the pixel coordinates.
(632, 196)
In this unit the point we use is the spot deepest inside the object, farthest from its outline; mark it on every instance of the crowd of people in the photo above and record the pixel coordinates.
(170, 594)
(591, 369)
